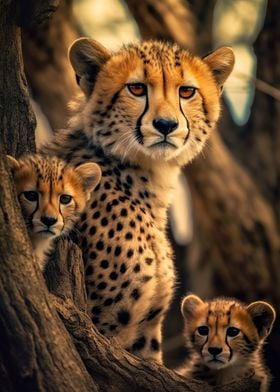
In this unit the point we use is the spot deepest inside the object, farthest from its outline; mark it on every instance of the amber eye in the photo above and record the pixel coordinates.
(137, 89)
(203, 330)
(186, 92)
(31, 195)
(65, 199)
(232, 331)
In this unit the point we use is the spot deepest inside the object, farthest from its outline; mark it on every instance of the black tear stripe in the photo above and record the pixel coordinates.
(187, 121)
(205, 111)
(230, 349)
(36, 209)
(139, 135)
(202, 347)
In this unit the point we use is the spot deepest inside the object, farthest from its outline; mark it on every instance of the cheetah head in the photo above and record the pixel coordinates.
(150, 101)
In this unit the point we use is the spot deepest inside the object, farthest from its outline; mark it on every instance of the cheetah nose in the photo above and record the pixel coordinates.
(48, 220)
(215, 350)
(165, 125)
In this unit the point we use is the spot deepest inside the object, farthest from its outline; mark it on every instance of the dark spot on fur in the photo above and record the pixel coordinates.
(123, 317)
(139, 344)
(135, 294)
(89, 270)
(113, 275)
(137, 268)
(102, 286)
(104, 264)
(154, 345)
(123, 268)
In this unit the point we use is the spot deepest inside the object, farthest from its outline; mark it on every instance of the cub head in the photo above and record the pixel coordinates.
(51, 193)
(223, 331)
(151, 100)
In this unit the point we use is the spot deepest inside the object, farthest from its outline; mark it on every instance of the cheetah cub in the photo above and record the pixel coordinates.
(147, 110)
(52, 195)
(226, 339)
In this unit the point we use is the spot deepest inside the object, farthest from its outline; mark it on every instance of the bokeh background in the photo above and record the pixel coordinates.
(224, 223)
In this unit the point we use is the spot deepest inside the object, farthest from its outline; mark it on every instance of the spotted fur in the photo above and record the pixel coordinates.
(52, 196)
(226, 339)
(134, 124)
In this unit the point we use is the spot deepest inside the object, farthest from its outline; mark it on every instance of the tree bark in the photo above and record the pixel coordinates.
(16, 116)
(36, 353)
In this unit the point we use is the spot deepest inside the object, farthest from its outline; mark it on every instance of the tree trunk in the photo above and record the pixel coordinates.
(16, 116)
(257, 144)
(165, 20)
(34, 346)
(49, 73)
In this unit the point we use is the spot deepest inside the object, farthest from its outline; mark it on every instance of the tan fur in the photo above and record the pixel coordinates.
(226, 338)
(129, 270)
(50, 178)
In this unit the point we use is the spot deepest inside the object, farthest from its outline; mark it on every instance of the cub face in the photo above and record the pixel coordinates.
(223, 331)
(153, 99)
(51, 193)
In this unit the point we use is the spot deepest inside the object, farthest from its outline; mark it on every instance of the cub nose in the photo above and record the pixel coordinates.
(215, 350)
(165, 125)
(48, 220)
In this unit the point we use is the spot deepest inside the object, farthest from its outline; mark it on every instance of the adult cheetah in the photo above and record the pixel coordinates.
(147, 110)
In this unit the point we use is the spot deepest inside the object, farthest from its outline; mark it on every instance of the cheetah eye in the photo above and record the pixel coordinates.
(137, 89)
(65, 199)
(187, 92)
(31, 195)
(203, 330)
(232, 331)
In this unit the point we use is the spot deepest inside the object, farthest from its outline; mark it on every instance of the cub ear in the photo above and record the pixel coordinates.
(90, 175)
(221, 63)
(87, 56)
(189, 305)
(263, 316)
(12, 162)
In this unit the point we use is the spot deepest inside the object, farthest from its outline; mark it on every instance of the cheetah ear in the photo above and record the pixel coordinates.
(221, 63)
(90, 175)
(263, 316)
(87, 57)
(13, 163)
(189, 305)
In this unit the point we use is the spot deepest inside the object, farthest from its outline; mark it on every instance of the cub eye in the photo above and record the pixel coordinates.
(137, 89)
(203, 331)
(231, 331)
(65, 199)
(186, 92)
(31, 195)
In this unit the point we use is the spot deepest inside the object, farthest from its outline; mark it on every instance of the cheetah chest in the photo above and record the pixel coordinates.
(129, 270)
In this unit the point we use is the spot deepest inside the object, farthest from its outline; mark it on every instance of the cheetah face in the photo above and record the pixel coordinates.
(224, 332)
(51, 193)
(153, 99)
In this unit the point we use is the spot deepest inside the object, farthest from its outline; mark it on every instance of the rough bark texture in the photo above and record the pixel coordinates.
(36, 353)
(16, 117)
